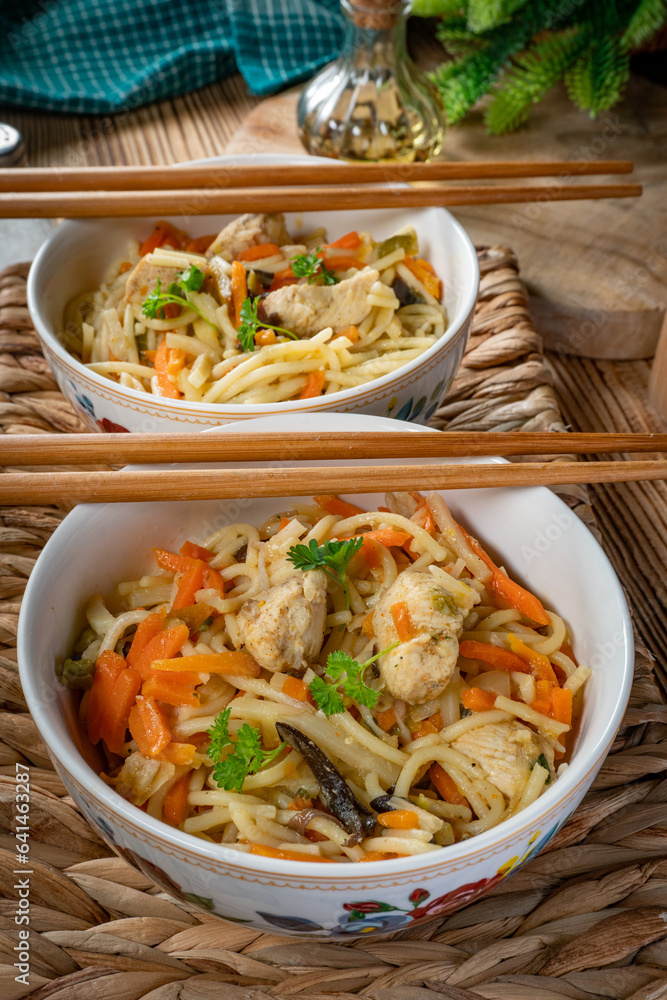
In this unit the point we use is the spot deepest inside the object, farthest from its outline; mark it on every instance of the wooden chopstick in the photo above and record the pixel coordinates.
(237, 446)
(209, 201)
(189, 176)
(216, 484)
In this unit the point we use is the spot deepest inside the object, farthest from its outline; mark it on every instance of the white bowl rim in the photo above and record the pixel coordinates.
(254, 409)
(574, 776)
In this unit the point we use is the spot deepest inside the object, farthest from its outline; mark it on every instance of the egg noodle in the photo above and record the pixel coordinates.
(451, 757)
(371, 307)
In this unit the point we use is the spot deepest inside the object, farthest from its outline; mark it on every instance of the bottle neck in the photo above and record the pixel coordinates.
(375, 27)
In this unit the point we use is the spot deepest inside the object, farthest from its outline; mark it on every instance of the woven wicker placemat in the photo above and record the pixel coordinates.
(583, 920)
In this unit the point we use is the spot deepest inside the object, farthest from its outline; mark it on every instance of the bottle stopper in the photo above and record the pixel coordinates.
(375, 15)
(12, 148)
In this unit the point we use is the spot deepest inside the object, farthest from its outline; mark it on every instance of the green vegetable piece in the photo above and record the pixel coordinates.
(246, 756)
(250, 324)
(333, 558)
(76, 674)
(312, 266)
(347, 674)
(465, 712)
(443, 603)
(406, 240)
(543, 762)
(177, 293)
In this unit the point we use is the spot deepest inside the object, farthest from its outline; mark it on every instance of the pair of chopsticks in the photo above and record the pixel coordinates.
(289, 480)
(201, 189)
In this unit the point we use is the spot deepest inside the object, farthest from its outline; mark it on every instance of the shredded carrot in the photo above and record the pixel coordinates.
(293, 687)
(213, 581)
(540, 664)
(239, 290)
(284, 521)
(195, 615)
(108, 667)
(561, 705)
(166, 644)
(146, 630)
(543, 690)
(399, 819)
(175, 804)
(259, 252)
(149, 727)
(446, 786)
(172, 687)
(175, 361)
(117, 709)
(343, 263)
(283, 278)
(178, 753)
(163, 360)
(264, 338)
(299, 802)
(233, 661)
(351, 241)
(426, 275)
(495, 656)
(314, 385)
(387, 536)
(541, 706)
(191, 581)
(386, 719)
(428, 727)
(334, 505)
(350, 332)
(173, 561)
(193, 551)
(200, 244)
(164, 234)
(478, 700)
(367, 625)
(381, 856)
(275, 852)
(405, 626)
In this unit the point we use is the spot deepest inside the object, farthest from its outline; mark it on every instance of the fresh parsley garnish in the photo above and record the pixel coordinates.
(246, 756)
(332, 557)
(177, 294)
(250, 324)
(312, 266)
(543, 762)
(347, 674)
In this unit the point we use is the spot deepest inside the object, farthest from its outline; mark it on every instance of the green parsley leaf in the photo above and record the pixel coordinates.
(543, 762)
(347, 674)
(332, 557)
(246, 756)
(312, 266)
(187, 281)
(250, 324)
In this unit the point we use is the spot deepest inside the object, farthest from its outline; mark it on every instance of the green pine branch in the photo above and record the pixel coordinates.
(440, 8)
(597, 79)
(484, 15)
(649, 17)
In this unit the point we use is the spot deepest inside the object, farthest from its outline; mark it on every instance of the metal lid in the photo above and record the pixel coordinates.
(12, 148)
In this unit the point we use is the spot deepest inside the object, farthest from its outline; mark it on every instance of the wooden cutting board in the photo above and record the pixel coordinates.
(596, 271)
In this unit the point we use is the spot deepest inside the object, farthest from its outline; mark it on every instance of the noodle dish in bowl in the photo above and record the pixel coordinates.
(340, 706)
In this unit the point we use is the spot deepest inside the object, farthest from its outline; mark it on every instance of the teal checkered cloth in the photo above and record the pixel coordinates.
(109, 56)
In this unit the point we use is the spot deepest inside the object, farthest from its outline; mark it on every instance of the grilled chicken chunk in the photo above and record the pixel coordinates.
(283, 627)
(142, 280)
(420, 669)
(507, 751)
(247, 231)
(307, 309)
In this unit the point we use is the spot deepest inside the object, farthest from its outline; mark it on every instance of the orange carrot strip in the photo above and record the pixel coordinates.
(259, 252)
(495, 656)
(446, 786)
(334, 505)
(228, 662)
(399, 819)
(350, 332)
(343, 263)
(405, 627)
(200, 244)
(213, 580)
(561, 705)
(314, 385)
(381, 856)
(172, 561)
(283, 278)
(117, 710)
(429, 726)
(193, 551)
(264, 338)
(386, 719)
(520, 598)
(293, 687)
(164, 234)
(367, 625)
(164, 645)
(191, 581)
(162, 358)
(541, 705)
(478, 700)
(168, 687)
(428, 278)
(239, 290)
(175, 804)
(149, 727)
(146, 630)
(175, 361)
(543, 690)
(274, 852)
(284, 521)
(387, 536)
(178, 753)
(351, 241)
(108, 668)
(540, 664)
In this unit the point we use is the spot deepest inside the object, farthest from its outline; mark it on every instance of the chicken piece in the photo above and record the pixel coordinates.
(247, 231)
(420, 669)
(283, 627)
(143, 278)
(507, 751)
(307, 309)
(220, 279)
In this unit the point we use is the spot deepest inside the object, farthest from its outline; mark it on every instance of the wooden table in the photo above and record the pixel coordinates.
(578, 260)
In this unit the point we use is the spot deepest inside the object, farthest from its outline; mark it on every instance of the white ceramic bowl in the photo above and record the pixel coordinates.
(77, 255)
(534, 534)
